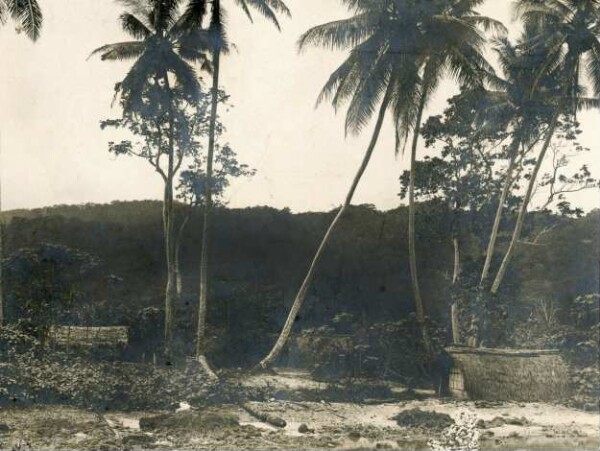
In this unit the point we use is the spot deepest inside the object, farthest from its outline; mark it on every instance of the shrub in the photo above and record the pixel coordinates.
(56, 379)
(382, 350)
(423, 419)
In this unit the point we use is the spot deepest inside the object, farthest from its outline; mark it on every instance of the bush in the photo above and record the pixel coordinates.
(382, 350)
(56, 379)
(423, 419)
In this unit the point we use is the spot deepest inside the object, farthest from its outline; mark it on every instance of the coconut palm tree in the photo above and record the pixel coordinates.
(512, 106)
(163, 55)
(27, 14)
(218, 44)
(568, 33)
(399, 50)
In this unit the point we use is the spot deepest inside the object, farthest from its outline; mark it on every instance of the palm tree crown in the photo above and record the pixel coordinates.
(397, 43)
(162, 45)
(568, 32)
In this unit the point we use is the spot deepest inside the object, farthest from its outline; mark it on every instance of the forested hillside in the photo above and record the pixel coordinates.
(260, 255)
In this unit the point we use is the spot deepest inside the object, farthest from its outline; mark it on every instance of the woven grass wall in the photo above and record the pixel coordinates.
(73, 336)
(511, 375)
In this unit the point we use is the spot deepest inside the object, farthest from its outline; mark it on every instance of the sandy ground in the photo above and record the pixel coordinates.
(326, 425)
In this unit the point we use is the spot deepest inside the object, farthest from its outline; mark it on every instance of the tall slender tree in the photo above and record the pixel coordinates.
(26, 13)
(218, 44)
(510, 105)
(568, 33)
(160, 76)
(399, 50)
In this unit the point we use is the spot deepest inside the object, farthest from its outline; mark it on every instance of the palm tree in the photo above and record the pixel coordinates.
(567, 32)
(27, 14)
(513, 106)
(218, 44)
(399, 50)
(161, 52)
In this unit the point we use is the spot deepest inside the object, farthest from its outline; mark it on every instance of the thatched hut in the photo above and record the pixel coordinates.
(508, 374)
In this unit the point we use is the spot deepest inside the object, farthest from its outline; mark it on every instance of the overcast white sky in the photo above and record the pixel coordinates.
(52, 99)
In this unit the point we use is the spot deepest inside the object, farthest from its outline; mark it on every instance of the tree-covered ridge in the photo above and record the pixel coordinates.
(260, 250)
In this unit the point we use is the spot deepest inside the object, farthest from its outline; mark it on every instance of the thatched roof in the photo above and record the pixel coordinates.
(511, 374)
(114, 336)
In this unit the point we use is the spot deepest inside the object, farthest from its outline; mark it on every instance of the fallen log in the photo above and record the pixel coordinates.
(268, 418)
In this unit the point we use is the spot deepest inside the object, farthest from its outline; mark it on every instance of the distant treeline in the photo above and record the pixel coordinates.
(260, 254)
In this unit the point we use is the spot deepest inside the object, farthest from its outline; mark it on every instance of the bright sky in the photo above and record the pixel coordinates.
(52, 99)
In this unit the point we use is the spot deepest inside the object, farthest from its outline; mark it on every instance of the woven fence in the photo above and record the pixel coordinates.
(508, 374)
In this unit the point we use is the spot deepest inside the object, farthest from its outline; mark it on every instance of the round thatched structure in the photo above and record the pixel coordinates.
(508, 374)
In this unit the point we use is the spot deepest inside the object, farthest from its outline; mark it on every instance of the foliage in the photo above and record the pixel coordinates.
(192, 181)
(31, 378)
(364, 271)
(26, 13)
(443, 35)
(161, 47)
(465, 175)
(381, 350)
(46, 285)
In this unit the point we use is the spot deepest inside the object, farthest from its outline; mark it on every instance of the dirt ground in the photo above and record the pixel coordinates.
(310, 425)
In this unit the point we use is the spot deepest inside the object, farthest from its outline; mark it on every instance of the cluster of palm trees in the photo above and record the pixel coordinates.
(399, 50)
(398, 53)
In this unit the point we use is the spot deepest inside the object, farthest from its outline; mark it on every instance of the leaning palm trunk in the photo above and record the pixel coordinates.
(523, 210)
(411, 232)
(203, 300)
(503, 196)
(287, 328)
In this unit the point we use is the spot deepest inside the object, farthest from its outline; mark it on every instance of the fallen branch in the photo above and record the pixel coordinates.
(268, 418)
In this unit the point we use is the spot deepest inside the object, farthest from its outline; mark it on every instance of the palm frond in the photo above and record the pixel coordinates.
(2, 12)
(28, 14)
(192, 16)
(340, 34)
(280, 7)
(592, 66)
(265, 10)
(244, 5)
(367, 95)
(119, 51)
(134, 26)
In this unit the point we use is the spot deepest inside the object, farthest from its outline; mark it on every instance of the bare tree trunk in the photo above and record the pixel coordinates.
(503, 196)
(523, 210)
(178, 277)
(204, 253)
(170, 291)
(454, 307)
(456, 273)
(411, 231)
(455, 324)
(298, 301)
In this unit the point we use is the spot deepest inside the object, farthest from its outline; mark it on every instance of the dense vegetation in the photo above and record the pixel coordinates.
(260, 258)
